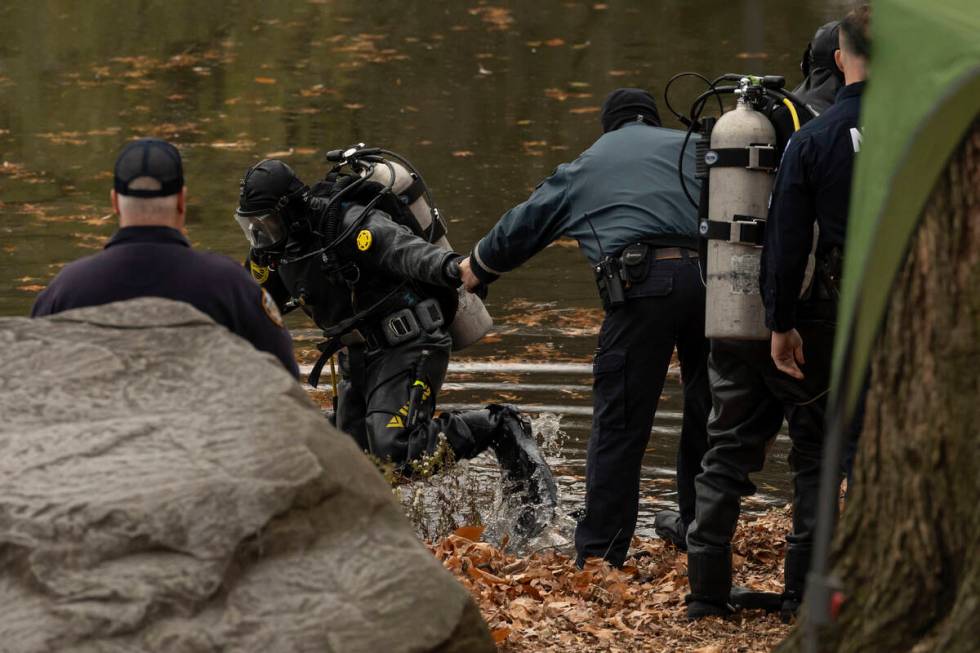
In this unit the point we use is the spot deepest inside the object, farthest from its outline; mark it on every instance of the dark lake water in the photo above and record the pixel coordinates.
(484, 98)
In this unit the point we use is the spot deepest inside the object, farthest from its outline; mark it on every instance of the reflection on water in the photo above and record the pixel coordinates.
(485, 98)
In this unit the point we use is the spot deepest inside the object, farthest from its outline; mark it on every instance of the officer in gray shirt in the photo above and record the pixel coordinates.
(622, 201)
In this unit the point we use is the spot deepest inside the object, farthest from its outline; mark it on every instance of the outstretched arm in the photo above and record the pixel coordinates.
(386, 245)
(521, 233)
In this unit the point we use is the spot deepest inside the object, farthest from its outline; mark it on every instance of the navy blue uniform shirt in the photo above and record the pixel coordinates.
(159, 262)
(625, 187)
(813, 185)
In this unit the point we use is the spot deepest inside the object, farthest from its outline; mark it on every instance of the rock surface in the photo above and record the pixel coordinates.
(164, 486)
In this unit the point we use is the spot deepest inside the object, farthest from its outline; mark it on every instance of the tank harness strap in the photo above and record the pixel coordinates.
(753, 157)
(743, 229)
(415, 190)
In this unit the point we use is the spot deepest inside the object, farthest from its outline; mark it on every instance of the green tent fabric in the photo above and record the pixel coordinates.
(923, 94)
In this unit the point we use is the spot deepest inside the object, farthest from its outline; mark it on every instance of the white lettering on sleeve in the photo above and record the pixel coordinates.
(856, 137)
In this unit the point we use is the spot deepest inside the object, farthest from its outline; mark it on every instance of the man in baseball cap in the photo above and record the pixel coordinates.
(150, 257)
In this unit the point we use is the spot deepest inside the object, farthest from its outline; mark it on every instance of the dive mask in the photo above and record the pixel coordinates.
(263, 229)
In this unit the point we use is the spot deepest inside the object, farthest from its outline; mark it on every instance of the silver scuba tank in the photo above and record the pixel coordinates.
(472, 320)
(741, 162)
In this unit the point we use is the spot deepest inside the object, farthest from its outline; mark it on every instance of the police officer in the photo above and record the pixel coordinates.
(389, 296)
(754, 386)
(149, 257)
(622, 200)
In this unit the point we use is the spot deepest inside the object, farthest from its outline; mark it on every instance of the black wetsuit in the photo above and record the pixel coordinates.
(385, 265)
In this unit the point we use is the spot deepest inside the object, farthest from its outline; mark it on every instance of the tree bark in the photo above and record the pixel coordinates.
(906, 549)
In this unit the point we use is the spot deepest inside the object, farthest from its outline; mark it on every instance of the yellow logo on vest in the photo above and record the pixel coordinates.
(259, 273)
(364, 240)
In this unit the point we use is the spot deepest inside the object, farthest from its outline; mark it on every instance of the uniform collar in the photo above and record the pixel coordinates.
(851, 90)
(147, 235)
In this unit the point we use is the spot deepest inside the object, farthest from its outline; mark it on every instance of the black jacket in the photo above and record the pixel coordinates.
(159, 262)
(813, 185)
(623, 189)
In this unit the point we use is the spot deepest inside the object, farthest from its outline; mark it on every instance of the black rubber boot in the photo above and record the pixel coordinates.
(526, 472)
(796, 566)
(526, 476)
(710, 575)
(743, 598)
(669, 526)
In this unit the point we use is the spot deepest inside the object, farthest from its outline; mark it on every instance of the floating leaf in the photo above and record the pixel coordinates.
(463, 153)
(752, 55)
(265, 80)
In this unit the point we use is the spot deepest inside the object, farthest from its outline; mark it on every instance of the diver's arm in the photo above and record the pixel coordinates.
(385, 245)
(524, 230)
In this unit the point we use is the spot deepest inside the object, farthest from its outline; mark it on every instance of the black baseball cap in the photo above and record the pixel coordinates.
(149, 157)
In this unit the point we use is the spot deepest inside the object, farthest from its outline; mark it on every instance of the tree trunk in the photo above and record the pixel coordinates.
(906, 549)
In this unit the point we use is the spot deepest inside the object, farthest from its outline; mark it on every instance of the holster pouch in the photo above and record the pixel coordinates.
(636, 262)
(609, 279)
(826, 279)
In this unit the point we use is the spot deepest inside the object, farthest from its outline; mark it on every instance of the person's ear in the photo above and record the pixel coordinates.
(114, 200)
(182, 207)
(839, 59)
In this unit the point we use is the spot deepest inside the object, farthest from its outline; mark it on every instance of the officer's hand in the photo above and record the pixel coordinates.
(470, 281)
(787, 351)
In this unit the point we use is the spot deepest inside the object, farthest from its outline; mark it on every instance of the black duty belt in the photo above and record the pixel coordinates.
(671, 253)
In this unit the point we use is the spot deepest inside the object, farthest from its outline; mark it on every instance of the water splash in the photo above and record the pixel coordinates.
(472, 492)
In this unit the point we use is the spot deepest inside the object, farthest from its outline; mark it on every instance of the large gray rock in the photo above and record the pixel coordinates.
(166, 487)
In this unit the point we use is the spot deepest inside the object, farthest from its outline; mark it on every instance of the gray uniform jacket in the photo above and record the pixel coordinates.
(625, 187)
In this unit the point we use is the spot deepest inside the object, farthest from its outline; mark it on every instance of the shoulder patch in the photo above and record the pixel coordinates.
(364, 240)
(259, 273)
(271, 310)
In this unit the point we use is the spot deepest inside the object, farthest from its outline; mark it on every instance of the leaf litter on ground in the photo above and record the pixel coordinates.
(543, 603)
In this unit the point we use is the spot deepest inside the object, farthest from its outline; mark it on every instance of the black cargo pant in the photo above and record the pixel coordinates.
(635, 347)
(375, 396)
(750, 399)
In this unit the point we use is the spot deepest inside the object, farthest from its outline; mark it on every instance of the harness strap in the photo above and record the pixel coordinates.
(753, 157)
(745, 230)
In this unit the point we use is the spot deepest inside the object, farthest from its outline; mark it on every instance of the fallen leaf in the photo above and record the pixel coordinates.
(500, 635)
(471, 533)
(265, 80)
(462, 153)
(752, 55)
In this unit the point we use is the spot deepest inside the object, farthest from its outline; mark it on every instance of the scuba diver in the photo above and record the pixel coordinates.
(821, 81)
(350, 254)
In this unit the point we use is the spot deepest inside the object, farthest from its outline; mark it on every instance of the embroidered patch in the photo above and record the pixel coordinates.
(364, 240)
(271, 310)
(259, 273)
